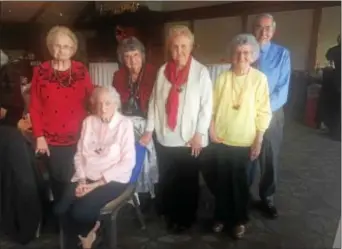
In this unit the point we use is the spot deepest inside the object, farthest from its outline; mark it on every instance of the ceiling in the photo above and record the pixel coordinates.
(67, 11)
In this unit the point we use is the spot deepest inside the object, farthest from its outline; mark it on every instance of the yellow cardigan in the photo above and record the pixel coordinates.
(239, 127)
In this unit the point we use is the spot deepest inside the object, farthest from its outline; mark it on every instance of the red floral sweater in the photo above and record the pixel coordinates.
(58, 102)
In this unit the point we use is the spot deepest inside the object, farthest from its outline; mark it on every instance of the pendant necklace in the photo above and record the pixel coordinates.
(102, 136)
(237, 104)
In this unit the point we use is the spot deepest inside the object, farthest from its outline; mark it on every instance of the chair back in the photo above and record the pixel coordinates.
(140, 152)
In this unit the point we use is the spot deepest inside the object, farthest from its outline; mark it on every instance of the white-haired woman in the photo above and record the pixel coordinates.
(104, 162)
(134, 82)
(179, 112)
(59, 92)
(241, 115)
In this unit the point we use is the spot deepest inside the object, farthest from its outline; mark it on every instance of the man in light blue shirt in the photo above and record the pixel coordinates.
(274, 62)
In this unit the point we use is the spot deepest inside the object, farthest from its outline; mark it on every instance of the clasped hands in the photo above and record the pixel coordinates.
(84, 188)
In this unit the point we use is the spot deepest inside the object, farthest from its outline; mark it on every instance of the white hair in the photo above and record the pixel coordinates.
(245, 39)
(267, 15)
(106, 89)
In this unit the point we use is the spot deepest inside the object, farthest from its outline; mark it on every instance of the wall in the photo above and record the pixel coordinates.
(294, 31)
(211, 43)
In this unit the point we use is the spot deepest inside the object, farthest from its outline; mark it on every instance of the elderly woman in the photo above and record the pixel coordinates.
(179, 112)
(104, 162)
(134, 82)
(59, 92)
(241, 114)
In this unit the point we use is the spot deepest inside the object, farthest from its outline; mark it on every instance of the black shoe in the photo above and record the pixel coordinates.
(269, 210)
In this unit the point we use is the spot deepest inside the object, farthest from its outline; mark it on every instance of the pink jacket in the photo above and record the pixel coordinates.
(105, 150)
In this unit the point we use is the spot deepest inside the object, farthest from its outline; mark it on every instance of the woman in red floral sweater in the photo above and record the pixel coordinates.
(59, 93)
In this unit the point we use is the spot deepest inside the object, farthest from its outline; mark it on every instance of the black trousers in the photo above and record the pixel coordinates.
(60, 168)
(208, 166)
(269, 157)
(178, 187)
(79, 215)
(232, 190)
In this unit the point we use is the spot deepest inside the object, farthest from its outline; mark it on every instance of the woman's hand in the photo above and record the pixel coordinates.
(213, 137)
(256, 148)
(196, 144)
(42, 146)
(87, 242)
(146, 139)
(85, 188)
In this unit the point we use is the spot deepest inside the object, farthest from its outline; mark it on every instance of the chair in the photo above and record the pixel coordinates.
(112, 208)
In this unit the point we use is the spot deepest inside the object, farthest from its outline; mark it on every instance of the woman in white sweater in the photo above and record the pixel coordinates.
(179, 112)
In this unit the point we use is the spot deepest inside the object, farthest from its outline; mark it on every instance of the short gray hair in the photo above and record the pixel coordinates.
(267, 15)
(130, 44)
(108, 89)
(245, 39)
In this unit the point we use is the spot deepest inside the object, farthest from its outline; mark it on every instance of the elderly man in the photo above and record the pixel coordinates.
(274, 61)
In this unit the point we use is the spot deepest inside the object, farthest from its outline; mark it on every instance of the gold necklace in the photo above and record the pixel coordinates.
(237, 104)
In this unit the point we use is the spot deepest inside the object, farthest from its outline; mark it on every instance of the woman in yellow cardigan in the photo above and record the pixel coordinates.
(241, 114)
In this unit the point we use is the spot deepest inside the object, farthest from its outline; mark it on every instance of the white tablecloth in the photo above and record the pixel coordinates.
(101, 73)
(216, 69)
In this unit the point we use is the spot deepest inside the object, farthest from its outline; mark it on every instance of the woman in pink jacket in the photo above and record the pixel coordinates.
(103, 162)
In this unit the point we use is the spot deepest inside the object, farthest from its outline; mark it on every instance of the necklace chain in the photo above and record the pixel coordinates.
(237, 104)
(58, 78)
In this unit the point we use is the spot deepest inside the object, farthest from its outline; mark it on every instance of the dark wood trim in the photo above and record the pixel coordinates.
(316, 21)
(244, 20)
(244, 8)
(39, 12)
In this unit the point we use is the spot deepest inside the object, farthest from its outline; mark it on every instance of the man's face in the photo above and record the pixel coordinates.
(264, 30)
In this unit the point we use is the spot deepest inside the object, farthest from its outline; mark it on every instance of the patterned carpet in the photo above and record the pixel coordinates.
(308, 199)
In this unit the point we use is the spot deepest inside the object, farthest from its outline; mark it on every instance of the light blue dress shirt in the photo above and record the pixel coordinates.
(274, 62)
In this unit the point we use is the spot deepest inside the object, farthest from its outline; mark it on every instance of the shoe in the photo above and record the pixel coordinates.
(218, 227)
(239, 231)
(269, 210)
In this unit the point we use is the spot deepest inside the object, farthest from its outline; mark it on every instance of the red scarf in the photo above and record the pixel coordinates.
(176, 80)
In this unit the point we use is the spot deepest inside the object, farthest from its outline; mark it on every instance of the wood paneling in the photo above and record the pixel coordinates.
(312, 57)
(240, 8)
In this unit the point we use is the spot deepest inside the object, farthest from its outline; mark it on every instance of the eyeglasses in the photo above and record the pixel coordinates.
(62, 47)
(264, 28)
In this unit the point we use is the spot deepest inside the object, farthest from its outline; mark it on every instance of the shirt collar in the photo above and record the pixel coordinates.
(115, 120)
(264, 48)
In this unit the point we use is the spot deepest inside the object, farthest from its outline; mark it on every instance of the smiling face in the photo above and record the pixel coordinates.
(242, 56)
(104, 105)
(180, 48)
(264, 30)
(63, 47)
(133, 60)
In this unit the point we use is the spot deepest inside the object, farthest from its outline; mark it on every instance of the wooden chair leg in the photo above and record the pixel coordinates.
(136, 204)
